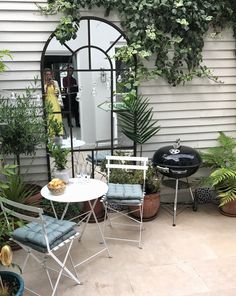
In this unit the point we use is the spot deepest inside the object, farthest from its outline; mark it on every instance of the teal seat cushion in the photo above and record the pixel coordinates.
(32, 233)
(125, 193)
(99, 156)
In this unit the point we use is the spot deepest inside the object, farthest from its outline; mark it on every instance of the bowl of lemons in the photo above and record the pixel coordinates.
(57, 186)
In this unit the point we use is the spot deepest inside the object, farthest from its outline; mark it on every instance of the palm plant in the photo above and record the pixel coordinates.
(136, 119)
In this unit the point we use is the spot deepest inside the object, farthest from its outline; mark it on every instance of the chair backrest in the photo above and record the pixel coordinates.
(24, 212)
(101, 154)
(20, 211)
(127, 163)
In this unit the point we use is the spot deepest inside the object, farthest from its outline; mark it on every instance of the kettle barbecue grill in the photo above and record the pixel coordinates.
(177, 162)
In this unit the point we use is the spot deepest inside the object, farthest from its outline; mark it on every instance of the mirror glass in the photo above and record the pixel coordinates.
(96, 76)
(91, 55)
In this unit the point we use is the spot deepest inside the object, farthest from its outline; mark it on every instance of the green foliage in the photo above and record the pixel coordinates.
(136, 121)
(25, 127)
(171, 31)
(17, 190)
(224, 181)
(222, 161)
(59, 154)
(6, 170)
(3, 53)
(223, 155)
(152, 182)
(73, 211)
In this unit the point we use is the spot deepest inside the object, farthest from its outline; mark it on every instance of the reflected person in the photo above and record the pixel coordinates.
(71, 88)
(53, 96)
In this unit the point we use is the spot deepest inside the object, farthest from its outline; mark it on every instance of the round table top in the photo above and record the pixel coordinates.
(78, 190)
(66, 143)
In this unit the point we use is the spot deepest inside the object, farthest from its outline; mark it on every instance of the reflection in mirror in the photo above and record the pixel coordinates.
(94, 72)
(91, 84)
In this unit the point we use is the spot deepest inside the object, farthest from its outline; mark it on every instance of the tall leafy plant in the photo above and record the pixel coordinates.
(136, 119)
(222, 162)
(25, 126)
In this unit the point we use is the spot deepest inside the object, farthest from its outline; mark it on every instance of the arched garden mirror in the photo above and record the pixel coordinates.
(98, 76)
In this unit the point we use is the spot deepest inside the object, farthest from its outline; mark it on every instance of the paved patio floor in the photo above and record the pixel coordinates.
(195, 258)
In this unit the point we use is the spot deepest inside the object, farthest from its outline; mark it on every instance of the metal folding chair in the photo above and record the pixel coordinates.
(125, 195)
(42, 235)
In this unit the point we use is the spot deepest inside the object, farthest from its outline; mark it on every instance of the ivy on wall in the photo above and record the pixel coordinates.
(3, 53)
(170, 31)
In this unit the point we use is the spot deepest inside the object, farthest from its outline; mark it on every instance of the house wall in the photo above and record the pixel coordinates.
(194, 112)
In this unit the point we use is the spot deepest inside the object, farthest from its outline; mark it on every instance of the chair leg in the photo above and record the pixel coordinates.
(140, 226)
(63, 268)
(62, 265)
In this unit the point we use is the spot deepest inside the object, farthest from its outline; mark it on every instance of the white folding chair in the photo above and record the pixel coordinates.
(100, 155)
(42, 235)
(125, 195)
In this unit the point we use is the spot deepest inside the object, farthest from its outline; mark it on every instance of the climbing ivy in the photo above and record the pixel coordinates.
(170, 31)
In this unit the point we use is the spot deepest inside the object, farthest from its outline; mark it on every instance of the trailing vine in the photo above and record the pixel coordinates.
(171, 31)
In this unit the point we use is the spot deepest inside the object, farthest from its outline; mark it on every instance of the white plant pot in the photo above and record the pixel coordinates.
(63, 175)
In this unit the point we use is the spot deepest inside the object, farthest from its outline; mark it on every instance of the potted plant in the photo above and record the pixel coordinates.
(11, 283)
(60, 160)
(151, 203)
(222, 178)
(24, 126)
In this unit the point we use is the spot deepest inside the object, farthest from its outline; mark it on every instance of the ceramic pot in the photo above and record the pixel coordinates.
(63, 175)
(229, 209)
(151, 207)
(58, 140)
(14, 281)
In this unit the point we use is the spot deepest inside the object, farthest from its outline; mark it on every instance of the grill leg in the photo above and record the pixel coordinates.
(175, 202)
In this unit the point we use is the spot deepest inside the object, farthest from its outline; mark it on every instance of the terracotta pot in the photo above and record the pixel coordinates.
(99, 210)
(229, 209)
(151, 206)
(36, 198)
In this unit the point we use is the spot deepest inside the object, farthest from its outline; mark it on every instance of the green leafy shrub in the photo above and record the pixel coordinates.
(171, 31)
(222, 162)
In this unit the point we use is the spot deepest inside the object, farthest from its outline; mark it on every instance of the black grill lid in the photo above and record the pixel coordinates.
(182, 156)
(177, 156)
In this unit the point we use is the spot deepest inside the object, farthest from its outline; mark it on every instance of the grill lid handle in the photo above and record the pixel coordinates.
(163, 169)
(176, 145)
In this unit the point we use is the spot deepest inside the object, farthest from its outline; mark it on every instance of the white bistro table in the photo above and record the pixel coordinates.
(80, 191)
(66, 143)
